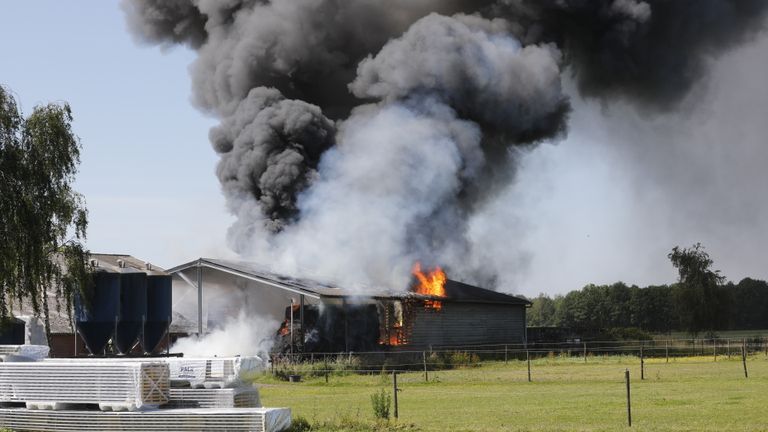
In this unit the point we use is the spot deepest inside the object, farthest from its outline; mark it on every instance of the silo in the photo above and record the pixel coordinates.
(12, 331)
(133, 307)
(158, 309)
(95, 318)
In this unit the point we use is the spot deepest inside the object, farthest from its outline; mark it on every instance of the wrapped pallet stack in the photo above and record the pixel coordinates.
(133, 394)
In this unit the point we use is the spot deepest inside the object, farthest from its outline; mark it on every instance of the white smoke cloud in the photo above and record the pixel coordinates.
(395, 167)
(241, 335)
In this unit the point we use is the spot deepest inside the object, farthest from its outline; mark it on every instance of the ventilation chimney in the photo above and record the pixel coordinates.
(121, 263)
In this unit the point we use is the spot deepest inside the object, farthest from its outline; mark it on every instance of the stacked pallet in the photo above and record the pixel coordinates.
(203, 372)
(213, 372)
(133, 395)
(241, 397)
(23, 352)
(117, 386)
(175, 420)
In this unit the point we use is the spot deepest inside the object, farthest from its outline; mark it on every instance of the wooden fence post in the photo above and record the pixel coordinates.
(629, 399)
(714, 349)
(394, 391)
(744, 357)
(728, 341)
(585, 352)
(424, 358)
(506, 359)
(325, 362)
(528, 360)
(666, 349)
(642, 363)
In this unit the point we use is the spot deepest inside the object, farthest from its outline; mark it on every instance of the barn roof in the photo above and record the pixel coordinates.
(454, 290)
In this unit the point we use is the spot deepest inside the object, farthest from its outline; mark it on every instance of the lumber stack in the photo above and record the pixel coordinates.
(172, 420)
(213, 372)
(202, 372)
(24, 352)
(241, 397)
(133, 395)
(117, 386)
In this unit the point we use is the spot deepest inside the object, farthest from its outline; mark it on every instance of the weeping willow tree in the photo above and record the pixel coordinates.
(43, 220)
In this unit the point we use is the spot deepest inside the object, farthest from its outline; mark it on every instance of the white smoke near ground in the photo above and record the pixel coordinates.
(238, 319)
(241, 335)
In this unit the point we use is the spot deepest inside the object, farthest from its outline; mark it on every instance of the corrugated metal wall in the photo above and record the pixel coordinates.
(469, 324)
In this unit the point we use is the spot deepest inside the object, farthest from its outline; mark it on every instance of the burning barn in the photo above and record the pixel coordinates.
(310, 316)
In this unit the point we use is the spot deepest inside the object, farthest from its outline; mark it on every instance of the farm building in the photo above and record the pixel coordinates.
(64, 340)
(315, 317)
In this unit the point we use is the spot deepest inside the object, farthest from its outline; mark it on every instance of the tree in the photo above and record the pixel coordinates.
(43, 220)
(700, 301)
(542, 312)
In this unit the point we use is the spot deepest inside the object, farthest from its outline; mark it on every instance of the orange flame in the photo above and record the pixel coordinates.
(394, 340)
(432, 284)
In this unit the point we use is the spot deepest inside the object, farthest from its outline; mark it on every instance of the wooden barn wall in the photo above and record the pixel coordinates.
(469, 324)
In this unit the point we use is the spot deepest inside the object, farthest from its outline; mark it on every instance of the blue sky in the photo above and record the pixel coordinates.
(606, 204)
(147, 167)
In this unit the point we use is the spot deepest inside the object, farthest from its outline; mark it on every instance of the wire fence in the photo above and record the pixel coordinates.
(446, 357)
(423, 367)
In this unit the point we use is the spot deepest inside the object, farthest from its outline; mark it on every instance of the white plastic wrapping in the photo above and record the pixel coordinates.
(277, 419)
(110, 385)
(171, 420)
(241, 397)
(33, 352)
(210, 372)
(34, 330)
(213, 372)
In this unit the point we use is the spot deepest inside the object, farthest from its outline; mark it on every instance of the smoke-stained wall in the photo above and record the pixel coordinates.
(357, 137)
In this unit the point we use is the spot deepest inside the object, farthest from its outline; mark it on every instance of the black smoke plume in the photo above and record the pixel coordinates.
(358, 136)
(651, 52)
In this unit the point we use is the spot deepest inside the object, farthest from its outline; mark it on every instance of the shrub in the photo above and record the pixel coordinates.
(299, 424)
(463, 359)
(380, 402)
(625, 333)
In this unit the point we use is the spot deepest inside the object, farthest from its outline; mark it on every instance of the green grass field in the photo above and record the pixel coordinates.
(689, 394)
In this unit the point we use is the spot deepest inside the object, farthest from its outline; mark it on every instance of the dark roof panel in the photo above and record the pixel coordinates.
(454, 290)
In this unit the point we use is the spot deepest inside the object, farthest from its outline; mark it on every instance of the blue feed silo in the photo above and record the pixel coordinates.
(12, 331)
(158, 318)
(133, 307)
(95, 317)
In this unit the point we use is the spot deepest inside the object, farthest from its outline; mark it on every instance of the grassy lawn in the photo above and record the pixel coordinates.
(689, 394)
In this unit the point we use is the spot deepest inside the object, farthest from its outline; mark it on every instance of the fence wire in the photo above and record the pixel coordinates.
(440, 358)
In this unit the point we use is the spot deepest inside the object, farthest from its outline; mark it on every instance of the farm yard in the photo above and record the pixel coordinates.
(566, 394)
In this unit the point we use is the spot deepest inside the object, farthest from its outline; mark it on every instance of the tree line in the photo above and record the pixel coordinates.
(701, 301)
(738, 306)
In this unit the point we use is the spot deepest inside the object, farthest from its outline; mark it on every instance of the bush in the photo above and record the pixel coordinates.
(349, 423)
(463, 359)
(452, 360)
(380, 402)
(625, 333)
(299, 424)
(340, 365)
